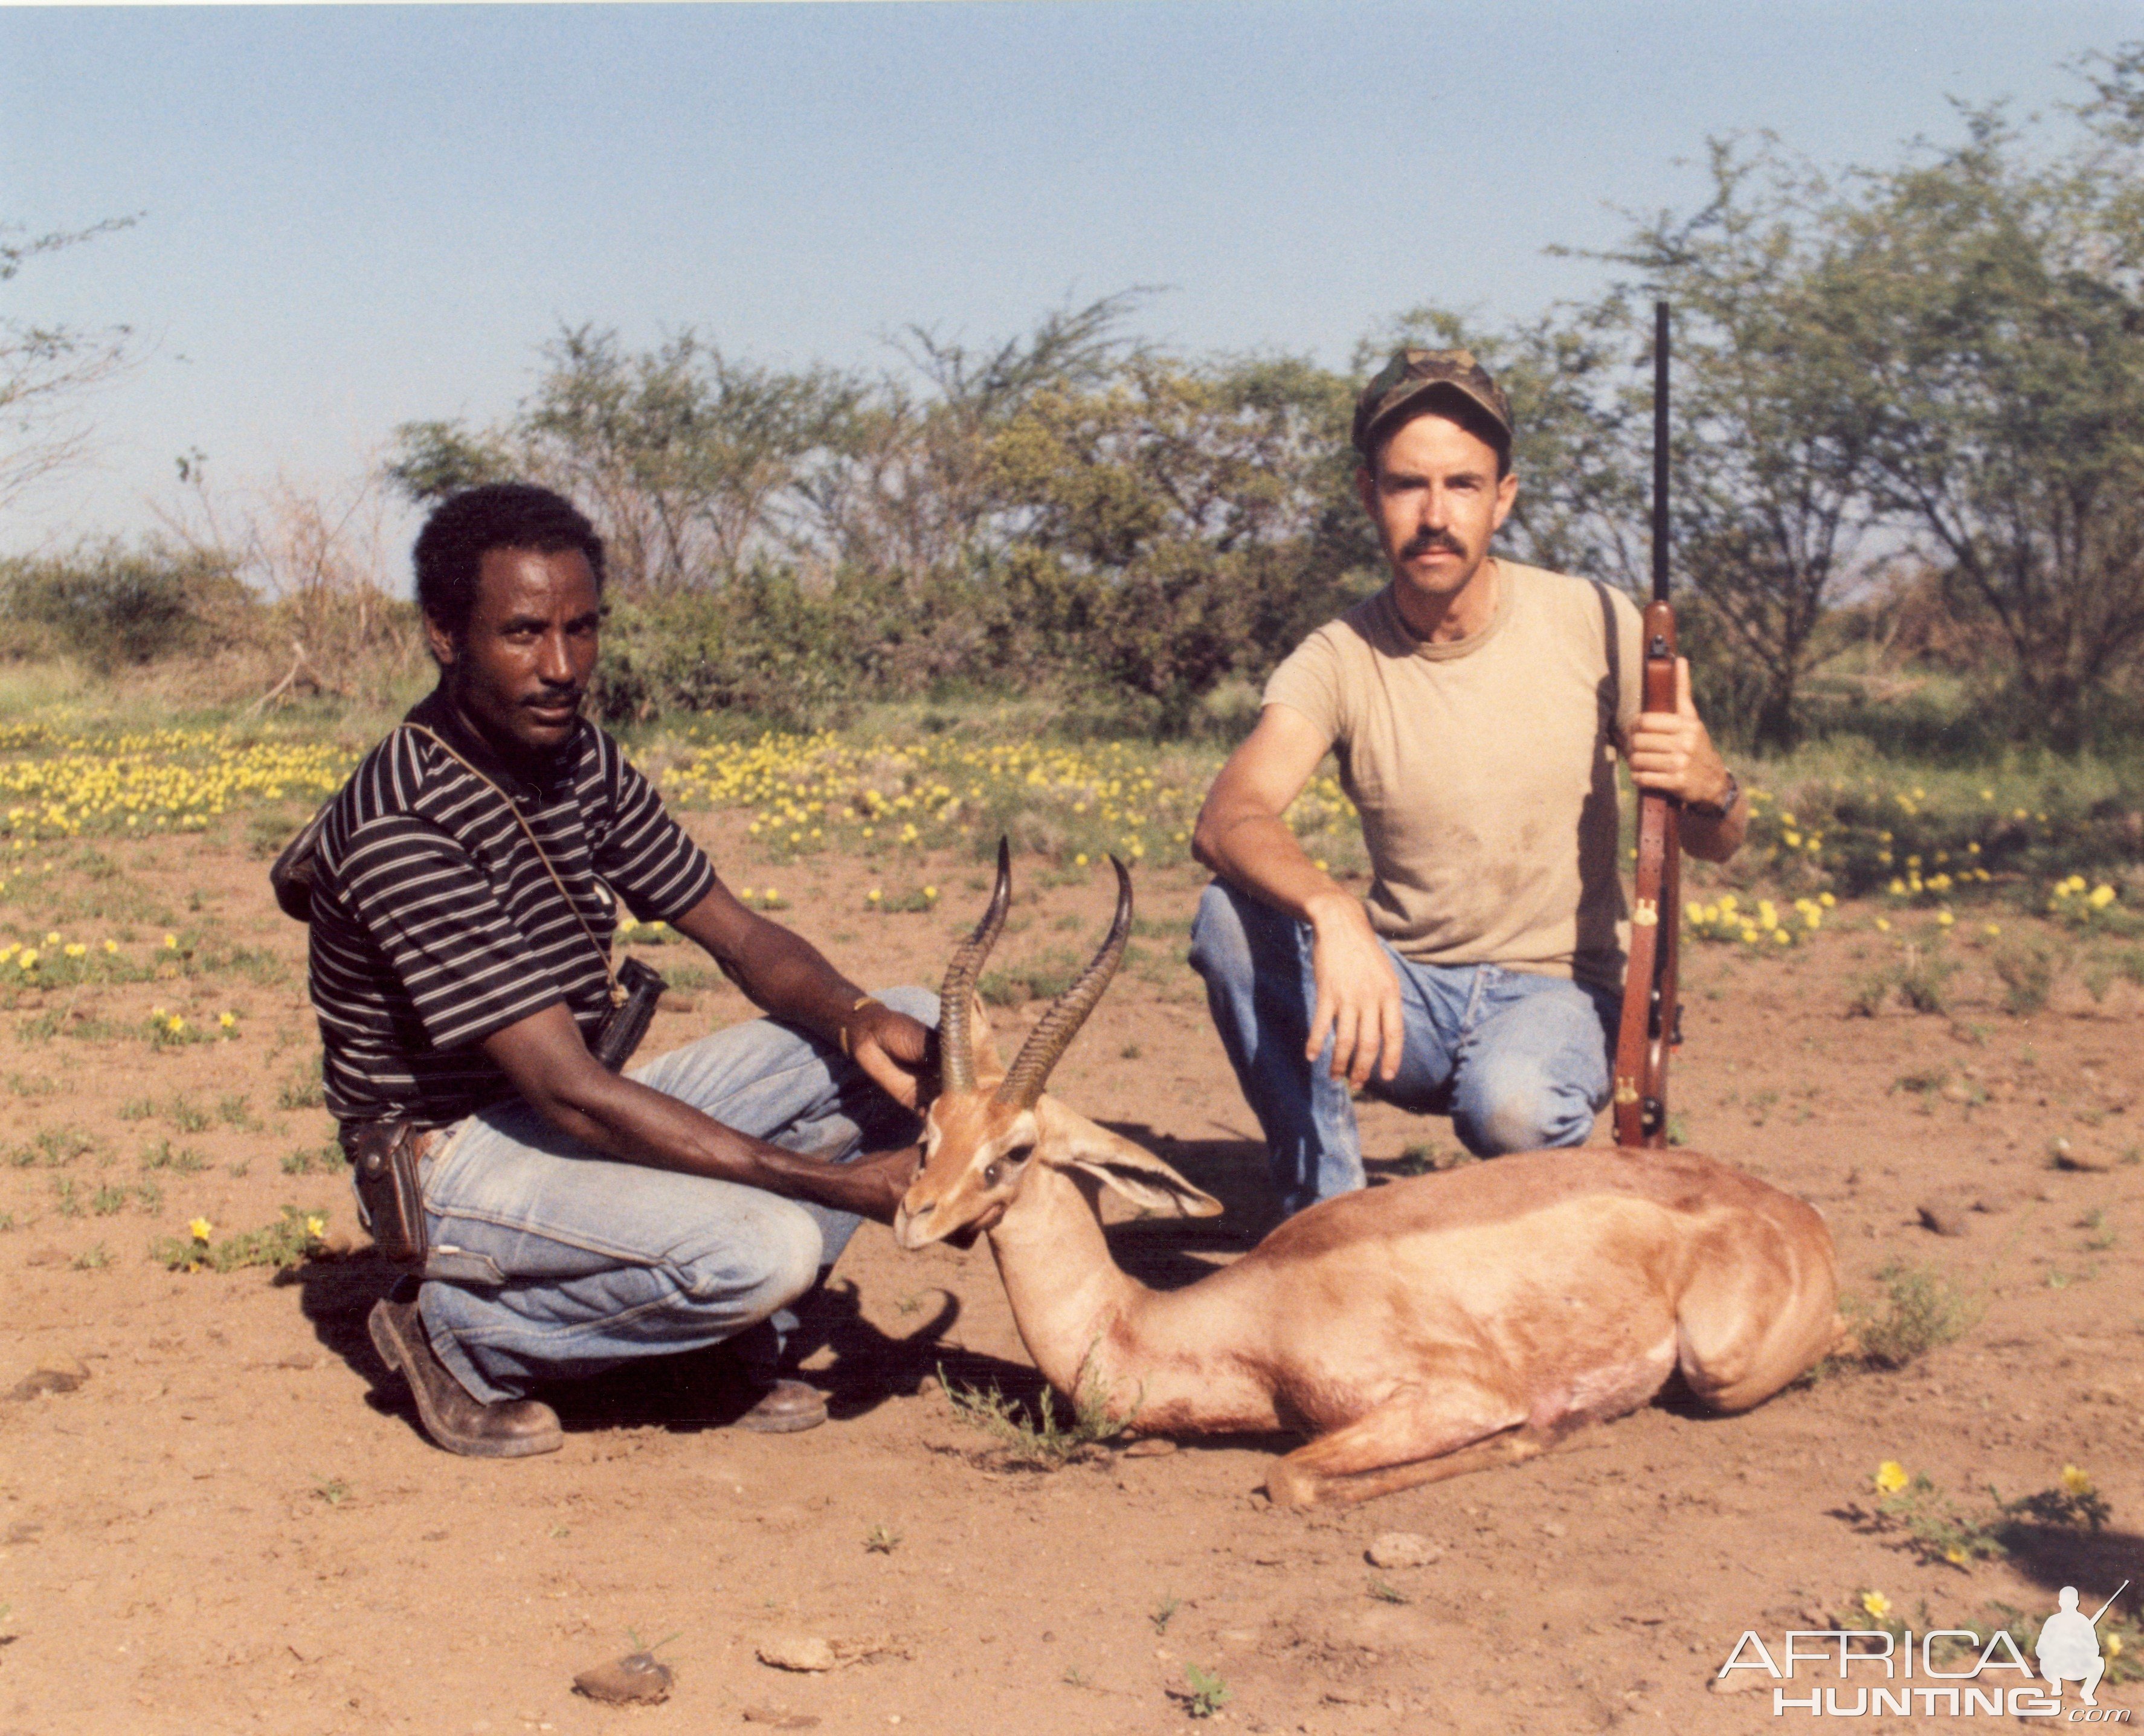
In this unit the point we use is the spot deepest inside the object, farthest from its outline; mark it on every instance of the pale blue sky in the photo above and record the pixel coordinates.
(361, 215)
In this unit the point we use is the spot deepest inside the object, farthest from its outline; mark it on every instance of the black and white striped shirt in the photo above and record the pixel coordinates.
(434, 924)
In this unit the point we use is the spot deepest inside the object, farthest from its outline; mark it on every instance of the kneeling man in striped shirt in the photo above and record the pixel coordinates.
(467, 882)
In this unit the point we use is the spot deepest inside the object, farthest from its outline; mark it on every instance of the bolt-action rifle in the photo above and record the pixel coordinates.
(1652, 1017)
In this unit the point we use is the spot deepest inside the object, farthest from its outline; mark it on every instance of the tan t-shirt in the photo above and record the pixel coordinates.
(1485, 771)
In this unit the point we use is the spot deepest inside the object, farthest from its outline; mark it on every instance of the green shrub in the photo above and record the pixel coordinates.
(113, 606)
(1920, 1311)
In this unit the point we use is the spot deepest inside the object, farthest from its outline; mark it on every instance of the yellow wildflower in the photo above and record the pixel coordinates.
(170, 943)
(175, 1024)
(1891, 1477)
(316, 1227)
(2103, 896)
(1877, 1605)
(201, 1229)
(112, 946)
(227, 1019)
(2075, 1481)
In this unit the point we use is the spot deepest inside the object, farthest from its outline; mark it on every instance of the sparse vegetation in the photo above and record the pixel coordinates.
(303, 1090)
(184, 1161)
(284, 1244)
(1920, 1310)
(1040, 1440)
(325, 1159)
(1208, 1692)
(53, 1148)
(1937, 1529)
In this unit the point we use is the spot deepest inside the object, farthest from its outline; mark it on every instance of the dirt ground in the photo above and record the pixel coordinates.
(230, 1523)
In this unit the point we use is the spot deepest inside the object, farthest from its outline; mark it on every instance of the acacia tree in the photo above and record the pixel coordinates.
(46, 369)
(691, 461)
(1991, 301)
(1168, 525)
(1770, 455)
(909, 493)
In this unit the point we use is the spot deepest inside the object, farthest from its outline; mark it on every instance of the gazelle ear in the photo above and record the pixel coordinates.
(989, 1069)
(1072, 1142)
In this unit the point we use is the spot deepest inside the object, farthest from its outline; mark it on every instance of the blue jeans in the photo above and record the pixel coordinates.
(578, 1263)
(1520, 1061)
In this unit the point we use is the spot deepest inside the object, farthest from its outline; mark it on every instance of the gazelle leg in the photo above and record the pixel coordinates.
(1415, 1436)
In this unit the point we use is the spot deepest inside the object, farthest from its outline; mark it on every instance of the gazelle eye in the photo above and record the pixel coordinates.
(993, 1175)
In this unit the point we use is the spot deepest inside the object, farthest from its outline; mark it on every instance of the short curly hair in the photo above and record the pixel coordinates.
(496, 515)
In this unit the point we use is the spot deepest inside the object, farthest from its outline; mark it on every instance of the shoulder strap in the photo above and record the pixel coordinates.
(618, 993)
(1611, 695)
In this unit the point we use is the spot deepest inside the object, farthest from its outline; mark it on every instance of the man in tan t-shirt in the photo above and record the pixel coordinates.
(1475, 708)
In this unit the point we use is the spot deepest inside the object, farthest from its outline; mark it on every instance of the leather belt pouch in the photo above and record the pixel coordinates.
(390, 1197)
(384, 1157)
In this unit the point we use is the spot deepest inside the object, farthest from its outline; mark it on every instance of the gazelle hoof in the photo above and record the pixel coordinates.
(1290, 1485)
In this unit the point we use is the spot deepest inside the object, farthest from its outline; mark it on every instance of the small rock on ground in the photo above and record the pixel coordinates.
(1403, 1548)
(797, 1651)
(635, 1679)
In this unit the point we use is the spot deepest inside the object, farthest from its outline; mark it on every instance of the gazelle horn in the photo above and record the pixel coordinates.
(956, 1044)
(1048, 1040)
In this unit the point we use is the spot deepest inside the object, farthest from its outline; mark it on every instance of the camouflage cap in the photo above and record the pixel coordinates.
(1405, 384)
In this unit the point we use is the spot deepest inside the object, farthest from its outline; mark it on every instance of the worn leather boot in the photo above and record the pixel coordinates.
(784, 1407)
(512, 1429)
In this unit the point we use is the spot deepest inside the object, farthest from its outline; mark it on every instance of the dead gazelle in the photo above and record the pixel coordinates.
(1420, 1330)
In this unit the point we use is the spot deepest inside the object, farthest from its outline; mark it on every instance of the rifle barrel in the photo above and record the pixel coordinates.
(1660, 452)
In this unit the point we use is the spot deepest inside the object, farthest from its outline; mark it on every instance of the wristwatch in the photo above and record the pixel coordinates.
(1718, 810)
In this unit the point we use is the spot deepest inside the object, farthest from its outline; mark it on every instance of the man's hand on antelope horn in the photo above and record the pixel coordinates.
(892, 1049)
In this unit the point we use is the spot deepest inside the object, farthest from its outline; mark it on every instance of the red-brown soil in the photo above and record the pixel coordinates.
(232, 1523)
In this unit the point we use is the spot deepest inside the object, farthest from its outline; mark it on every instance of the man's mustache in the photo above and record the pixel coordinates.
(1423, 541)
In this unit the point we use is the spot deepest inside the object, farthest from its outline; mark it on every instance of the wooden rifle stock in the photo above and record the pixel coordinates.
(1652, 1017)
